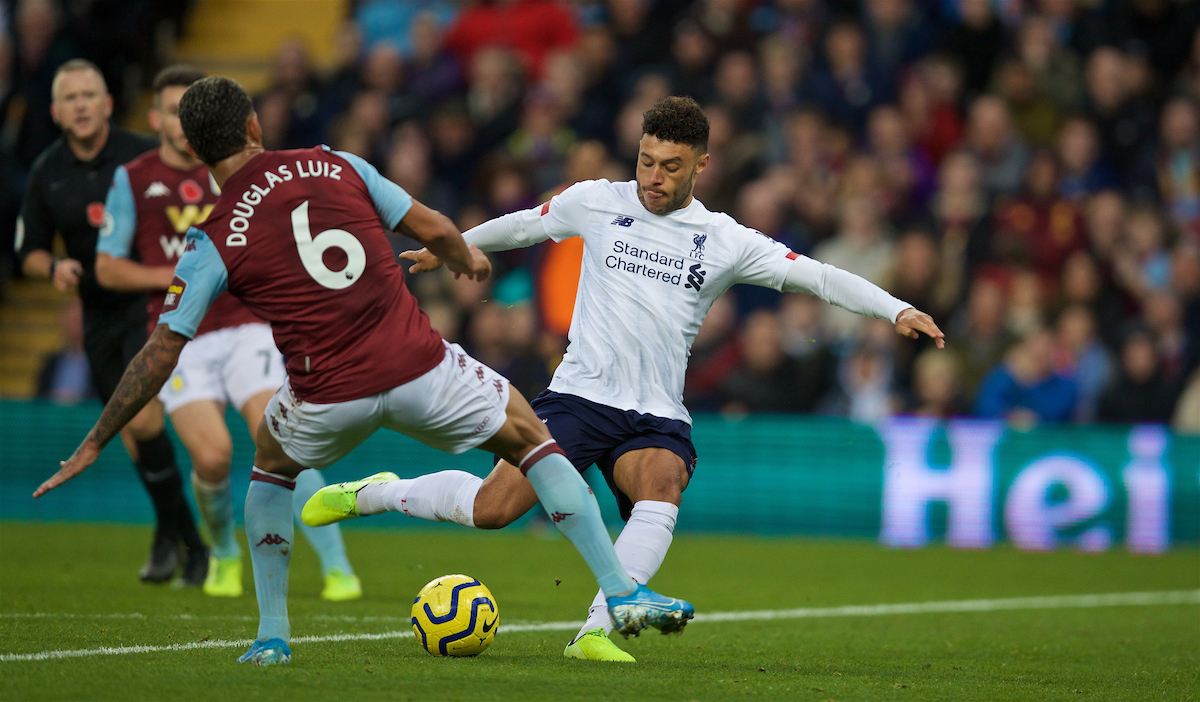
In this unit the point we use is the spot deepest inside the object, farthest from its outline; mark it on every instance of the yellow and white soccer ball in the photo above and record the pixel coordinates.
(455, 615)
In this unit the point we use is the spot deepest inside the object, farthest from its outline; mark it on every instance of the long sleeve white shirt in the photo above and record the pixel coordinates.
(647, 282)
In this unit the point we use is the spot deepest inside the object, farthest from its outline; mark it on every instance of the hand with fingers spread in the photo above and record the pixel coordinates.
(913, 322)
(423, 261)
(478, 267)
(84, 456)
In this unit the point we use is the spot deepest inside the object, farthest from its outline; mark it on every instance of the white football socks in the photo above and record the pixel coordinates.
(642, 547)
(446, 496)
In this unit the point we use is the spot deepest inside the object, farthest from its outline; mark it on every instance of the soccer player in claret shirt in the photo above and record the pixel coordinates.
(654, 260)
(152, 202)
(66, 195)
(300, 237)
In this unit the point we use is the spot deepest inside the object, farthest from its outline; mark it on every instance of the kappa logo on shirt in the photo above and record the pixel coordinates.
(157, 189)
(623, 221)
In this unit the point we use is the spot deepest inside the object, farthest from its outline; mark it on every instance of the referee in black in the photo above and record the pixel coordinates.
(66, 191)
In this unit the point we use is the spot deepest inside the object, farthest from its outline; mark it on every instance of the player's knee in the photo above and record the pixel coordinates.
(665, 485)
(212, 463)
(278, 465)
(664, 490)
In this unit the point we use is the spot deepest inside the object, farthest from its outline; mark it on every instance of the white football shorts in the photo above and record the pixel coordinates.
(456, 406)
(228, 365)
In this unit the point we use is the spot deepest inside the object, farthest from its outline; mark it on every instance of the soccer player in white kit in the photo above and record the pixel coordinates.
(654, 261)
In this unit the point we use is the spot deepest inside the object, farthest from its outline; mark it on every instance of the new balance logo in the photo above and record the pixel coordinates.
(622, 221)
(157, 189)
(559, 516)
(272, 540)
(695, 277)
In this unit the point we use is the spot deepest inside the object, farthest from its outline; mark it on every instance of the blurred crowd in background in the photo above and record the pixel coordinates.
(1026, 171)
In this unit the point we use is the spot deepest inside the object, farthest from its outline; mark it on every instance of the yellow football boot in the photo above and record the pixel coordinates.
(340, 587)
(596, 646)
(224, 577)
(333, 503)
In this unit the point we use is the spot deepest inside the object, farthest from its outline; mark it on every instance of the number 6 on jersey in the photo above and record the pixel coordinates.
(312, 248)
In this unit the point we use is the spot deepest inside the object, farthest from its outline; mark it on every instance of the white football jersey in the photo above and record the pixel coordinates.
(646, 284)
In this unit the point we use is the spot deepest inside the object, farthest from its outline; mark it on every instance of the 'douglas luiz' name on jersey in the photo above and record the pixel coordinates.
(646, 284)
(301, 238)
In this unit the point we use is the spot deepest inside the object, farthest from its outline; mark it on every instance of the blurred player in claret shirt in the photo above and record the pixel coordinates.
(153, 201)
(65, 195)
(300, 237)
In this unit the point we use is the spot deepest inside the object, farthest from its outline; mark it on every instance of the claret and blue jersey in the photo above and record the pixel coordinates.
(301, 238)
(149, 208)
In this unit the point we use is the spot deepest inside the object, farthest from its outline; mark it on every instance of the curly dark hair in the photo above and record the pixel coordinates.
(677, 119)
(213, 114)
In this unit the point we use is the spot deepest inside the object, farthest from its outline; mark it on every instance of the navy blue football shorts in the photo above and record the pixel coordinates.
(591, 433)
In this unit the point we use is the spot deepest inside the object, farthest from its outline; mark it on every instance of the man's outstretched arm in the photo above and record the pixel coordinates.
(442, 242)
(565, 215)
(858, 295)
(142, 380)
(512, 231)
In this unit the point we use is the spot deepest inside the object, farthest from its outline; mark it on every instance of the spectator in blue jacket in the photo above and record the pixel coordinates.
(1024, 387)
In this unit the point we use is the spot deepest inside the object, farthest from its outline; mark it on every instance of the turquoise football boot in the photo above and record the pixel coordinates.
(644, 607)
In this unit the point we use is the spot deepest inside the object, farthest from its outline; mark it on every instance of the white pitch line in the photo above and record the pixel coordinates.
(1117, 599)
(190, 617)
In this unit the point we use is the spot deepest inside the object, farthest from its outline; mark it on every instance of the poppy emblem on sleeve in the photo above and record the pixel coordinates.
(95, 213)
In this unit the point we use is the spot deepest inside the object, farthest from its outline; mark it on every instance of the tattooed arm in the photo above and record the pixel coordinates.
(141, 382)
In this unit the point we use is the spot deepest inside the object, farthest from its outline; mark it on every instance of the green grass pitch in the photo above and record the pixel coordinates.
(81, 581)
